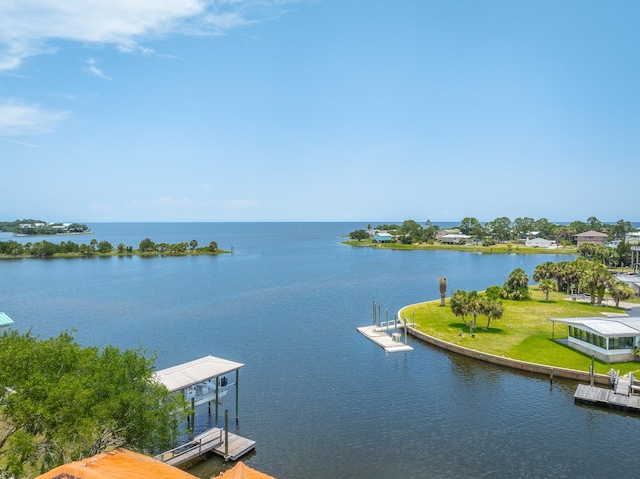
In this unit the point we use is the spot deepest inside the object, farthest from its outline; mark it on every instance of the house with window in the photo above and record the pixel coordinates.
(594, 237)
(382, 237)
(454, 238)
(609, 339)
(632, 238)
(540, 243)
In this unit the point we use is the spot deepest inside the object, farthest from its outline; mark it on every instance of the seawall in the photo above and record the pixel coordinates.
(542, 369)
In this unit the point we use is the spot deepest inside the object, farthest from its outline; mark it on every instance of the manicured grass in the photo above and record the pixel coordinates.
(495, 249)
(524, 332)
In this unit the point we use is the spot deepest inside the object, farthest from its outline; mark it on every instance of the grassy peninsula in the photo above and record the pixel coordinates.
(524, 332)
(498, 248)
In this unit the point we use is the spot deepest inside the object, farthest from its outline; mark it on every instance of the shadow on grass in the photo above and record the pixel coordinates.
(479, 330)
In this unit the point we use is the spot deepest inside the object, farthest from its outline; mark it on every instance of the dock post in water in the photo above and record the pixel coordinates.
(226, 435)
(237, 394)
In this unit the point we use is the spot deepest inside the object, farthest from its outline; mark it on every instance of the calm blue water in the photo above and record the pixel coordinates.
(320, 399)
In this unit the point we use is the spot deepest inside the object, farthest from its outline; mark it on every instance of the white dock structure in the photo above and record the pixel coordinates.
(385, 333)
(205, 381)
(389, 342)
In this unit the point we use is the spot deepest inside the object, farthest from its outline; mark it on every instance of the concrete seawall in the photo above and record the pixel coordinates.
(542, 369)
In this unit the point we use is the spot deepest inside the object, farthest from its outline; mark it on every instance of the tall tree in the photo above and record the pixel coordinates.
(517, 285)
(522, 227)
(468, 225)
(500, 228)
(596, 280)
(547, 286)
(65, 402)
(492, 309)
(621, 291)
(442, 284)
(459, 304)
(543, 271)
(594, 224)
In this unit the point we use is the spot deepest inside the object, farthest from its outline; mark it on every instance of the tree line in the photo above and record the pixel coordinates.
(502, 229)
(62, 402)
(45, 249)
(30, 227)
(579, 276)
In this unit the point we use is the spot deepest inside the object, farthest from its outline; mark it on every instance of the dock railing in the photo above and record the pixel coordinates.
(195, 447)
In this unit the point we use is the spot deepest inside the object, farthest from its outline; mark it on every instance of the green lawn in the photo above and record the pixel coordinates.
(502, 248)
(524, 332)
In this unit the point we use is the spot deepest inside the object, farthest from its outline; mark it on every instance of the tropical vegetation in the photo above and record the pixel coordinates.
(503, 235)
(62, 402)
(518, 322)
(30, 227)
(69, 249)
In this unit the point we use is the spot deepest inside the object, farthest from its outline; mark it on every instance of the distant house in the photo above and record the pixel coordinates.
(593, 237)
(540, 243)
(382, 237)
(609, 339)
(632, 238)
(454, 238)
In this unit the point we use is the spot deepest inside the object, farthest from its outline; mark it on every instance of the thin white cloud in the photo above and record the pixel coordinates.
(17, 118)
(30, 27)
(92, 67)
(23, 143)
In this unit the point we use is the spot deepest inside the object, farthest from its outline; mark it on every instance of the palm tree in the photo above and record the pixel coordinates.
(596, 281)
(492, 309)
(620, 291)
(516, 286)
(458, 304)
(546, 286)
(474, 306)
(543, 271)
(442, 282)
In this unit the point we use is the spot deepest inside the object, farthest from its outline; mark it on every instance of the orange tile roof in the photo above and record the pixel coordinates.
(242, 471)
(117, 464)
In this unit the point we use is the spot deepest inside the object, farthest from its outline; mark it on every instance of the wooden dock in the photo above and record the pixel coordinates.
(390, 342)
(618, 398)
(212, 440)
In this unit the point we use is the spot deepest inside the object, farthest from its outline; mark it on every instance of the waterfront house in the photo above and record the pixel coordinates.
(540, 243)
(609, 339)
(632, 238)
(594, 237)
(454, 238)
(382, 237)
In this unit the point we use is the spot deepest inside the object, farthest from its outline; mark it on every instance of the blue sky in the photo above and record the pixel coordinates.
(319, 110)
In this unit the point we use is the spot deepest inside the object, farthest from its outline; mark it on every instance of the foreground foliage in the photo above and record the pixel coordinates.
(62, 402)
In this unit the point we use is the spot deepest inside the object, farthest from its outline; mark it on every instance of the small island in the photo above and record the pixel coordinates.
(68, 249)
(30, 227)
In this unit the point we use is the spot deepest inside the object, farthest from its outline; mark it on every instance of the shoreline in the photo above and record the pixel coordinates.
(24, 235)
(536, 368)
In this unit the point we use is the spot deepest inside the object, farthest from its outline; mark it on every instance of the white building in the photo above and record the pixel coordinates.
(540, 243)
(609, 339)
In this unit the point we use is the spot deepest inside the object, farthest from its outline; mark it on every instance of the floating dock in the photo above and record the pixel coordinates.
(212, 440)
(618, 398)
(390, 342)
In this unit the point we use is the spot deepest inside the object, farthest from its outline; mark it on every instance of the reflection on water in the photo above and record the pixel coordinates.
(319, 399)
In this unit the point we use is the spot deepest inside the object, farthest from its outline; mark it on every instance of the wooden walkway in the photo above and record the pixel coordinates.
(212, 440)
(383, 339)
(620, 398)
